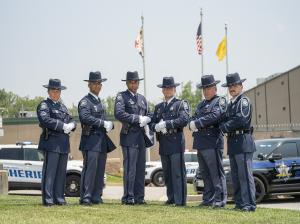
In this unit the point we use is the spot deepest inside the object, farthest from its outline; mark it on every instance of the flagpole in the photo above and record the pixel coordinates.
(226, 49)
(148, 156)
(201, 15)
(227, 69)
(143, 57)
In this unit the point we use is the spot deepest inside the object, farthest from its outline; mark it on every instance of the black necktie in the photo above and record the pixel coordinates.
(135, 98)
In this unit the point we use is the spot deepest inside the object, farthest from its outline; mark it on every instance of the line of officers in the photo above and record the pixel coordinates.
(214, 117)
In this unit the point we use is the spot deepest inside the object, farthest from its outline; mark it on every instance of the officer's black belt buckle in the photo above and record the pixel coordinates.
(206, 129)
(238, 132)
(172, 131)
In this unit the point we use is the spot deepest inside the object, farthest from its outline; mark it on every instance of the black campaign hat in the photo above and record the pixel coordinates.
(232, 79)
(95, 77)
(168, 82)
(54, 84)
(132, 76)
(207, 81)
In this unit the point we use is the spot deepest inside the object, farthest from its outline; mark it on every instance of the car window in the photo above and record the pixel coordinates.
(287, 149)
(264, 147)
(12, 153)
(190, 157)
(33, 154)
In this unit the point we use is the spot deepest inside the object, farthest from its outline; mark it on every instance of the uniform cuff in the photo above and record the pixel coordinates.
(101, 123)
(198, 124)
(135, 118)
(169, 124)
(59, 125)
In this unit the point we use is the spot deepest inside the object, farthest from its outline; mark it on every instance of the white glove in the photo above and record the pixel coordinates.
(108, 125)
(68, 128)
(143, 120)
(164, 131)
(193, 126)
(162, 125)
(157, 129)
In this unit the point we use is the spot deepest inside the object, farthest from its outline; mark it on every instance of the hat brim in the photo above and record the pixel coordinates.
(200, 86)
(163, 86)
(124, 80)
(51, 87)
(95, 80)
(231, 84)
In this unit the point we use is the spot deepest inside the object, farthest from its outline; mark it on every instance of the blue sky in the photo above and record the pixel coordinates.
(43, 39)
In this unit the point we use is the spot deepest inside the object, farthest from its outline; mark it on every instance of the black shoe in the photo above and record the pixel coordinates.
(129, 202)
(98, 202)
(252, 209)
(218, 206)
(246, 209)
(62, 203)
(169, 202)
(85, 203)
(141, 202)
(203, 204)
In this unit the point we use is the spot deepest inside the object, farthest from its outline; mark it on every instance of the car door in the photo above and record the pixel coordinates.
(191, 164)
(288, 166)
(13, 162)
(33, 164)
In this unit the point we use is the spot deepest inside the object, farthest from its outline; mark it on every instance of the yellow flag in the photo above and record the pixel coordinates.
(222, 48)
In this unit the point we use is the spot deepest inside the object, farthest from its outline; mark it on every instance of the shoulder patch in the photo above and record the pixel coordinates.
(245, 107)
(43, 113)
(44, 106)
(185, 105)
(119, 96)
(223, 104)
(83, 103)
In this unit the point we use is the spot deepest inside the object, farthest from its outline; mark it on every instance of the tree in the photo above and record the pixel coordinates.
(190, 95)
(110, 105)
(11, 104)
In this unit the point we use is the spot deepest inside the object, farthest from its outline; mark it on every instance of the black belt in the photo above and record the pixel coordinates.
(206, 128)
(172, 131)
(238, 132)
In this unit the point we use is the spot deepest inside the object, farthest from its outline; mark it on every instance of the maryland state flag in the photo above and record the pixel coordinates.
(139, 42)
(222, 48)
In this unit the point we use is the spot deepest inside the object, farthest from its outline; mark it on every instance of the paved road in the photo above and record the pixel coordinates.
(159, 194)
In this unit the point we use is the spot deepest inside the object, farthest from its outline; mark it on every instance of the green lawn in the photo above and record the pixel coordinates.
(27, 209)
(114, 180)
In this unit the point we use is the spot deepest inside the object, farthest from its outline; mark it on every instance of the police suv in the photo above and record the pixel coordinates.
(154, 173)
(24, 165)
(276, 169)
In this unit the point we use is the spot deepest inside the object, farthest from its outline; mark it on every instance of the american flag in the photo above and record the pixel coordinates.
(139, 42)
(199, 40)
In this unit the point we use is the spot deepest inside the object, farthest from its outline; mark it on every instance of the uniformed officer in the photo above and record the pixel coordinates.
(94, 144)
(168, 121)
(131, 109)
(208, 140)
(57, 123)
(237, 125)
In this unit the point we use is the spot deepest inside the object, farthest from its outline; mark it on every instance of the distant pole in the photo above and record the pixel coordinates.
(201, 15)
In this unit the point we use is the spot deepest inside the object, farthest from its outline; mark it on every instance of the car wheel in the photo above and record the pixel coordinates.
(158, 179)
(72, 186)
(260, 190)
